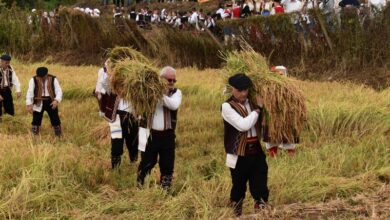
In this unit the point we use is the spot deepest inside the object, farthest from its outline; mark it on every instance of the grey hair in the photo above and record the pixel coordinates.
(167, 69)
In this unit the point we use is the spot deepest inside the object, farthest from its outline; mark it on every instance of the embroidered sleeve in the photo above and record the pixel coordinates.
(30, 93)
(236, 120)
(15, 81)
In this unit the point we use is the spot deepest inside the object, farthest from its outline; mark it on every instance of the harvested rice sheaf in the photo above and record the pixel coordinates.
(121, 53)
(284, 103)
(101, 132)
(140, 84)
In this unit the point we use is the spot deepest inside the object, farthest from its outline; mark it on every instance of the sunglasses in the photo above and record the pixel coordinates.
(171, 80)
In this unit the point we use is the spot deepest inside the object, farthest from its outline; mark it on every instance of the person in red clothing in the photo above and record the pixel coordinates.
(236, 11)
(278, 8)
(272, 147)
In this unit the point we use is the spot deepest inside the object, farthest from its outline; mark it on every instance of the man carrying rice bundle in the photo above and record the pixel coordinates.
(161, 142)
(271, 146)
(282, 107)
(284, 112)
(100, 93)
(118, 112)
(245, 157)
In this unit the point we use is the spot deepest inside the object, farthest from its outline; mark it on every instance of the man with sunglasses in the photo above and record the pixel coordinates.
(245, 157)
(161, 142)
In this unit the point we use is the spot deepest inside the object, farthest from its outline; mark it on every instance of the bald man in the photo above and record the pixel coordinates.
(161, 143)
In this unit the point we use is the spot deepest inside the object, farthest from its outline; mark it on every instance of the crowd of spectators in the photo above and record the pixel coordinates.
(178, 19)
(200, 20)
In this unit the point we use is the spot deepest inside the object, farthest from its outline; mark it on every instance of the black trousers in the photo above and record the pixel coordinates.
(53, 114)
(7, 103)
(252, 168)
(129, 136)
(160, 145)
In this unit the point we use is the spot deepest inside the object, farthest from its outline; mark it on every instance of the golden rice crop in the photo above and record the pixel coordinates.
(284, 103)
(140, 84)
(120, 53)
(101, 132)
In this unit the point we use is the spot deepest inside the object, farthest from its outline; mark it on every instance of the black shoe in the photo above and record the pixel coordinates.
(57, 131)
(259, 205)
(133, 158)
(166, 181)
(140, 180)
(115, 162)
(35, 130)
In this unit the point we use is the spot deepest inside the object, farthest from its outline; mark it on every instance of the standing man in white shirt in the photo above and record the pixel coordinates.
(8, 80)
(294, 7)
(124, 129)
(245, 157)
(101, 85)
(219, 12)
(161, 143)
(194, 18)
(118, 112)
(377, 6)
(44, 94)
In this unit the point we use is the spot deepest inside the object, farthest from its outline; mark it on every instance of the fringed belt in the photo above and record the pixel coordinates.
(43, 98)
(252, 146)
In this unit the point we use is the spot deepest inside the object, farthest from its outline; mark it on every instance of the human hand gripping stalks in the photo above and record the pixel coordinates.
(284, 105)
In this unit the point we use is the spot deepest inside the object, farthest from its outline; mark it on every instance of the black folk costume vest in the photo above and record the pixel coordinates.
(6, 74)
(170, 116)
(39, 88)
(236, 141)
(133, 15)
(109, 106)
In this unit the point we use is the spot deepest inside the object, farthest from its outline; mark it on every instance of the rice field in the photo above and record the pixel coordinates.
(341, 169)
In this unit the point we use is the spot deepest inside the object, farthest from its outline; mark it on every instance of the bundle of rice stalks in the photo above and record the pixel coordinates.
(121, 53)
(283, 102)
(140, 84)
(101, 132)
(245, 61)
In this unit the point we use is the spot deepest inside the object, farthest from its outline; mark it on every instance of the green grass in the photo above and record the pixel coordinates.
(344, 153)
